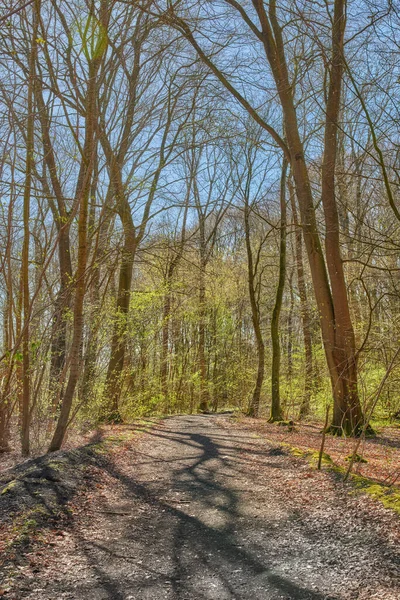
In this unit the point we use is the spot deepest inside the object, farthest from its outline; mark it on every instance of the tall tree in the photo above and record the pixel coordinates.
(336, 326)
(304, 308)
(26, 375)
(276, 409)
(94, 44)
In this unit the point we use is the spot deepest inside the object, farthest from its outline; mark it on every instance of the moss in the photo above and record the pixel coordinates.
(298, 452)
(9, 487)
(57, 466)
(325, 457)
(388, 496)
(358, 458)
(310, 455)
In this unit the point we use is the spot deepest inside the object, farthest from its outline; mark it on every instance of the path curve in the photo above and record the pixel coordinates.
(200, 511)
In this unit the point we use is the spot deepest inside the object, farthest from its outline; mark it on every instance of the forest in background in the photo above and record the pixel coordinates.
(199, 211)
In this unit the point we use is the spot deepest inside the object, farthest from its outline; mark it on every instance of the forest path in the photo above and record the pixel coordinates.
(195, 510)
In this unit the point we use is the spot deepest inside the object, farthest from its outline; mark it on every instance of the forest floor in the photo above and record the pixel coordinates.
(380, 454)
(194, 507)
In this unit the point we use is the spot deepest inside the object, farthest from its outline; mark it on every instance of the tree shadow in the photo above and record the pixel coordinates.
(187, 538)
(206, 558)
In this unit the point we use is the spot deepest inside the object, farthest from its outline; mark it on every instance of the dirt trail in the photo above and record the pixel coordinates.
(195, 511)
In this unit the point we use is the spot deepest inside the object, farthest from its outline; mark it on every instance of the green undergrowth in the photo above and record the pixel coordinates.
(9, 487)
(356, 458)
(312, 456)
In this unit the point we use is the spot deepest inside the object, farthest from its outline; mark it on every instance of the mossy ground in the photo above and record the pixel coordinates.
(9, 487)
(389, 496)
(35, 495)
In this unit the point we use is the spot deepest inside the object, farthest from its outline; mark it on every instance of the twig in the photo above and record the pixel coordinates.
(111, 512)
(367, 418)
(321, 450)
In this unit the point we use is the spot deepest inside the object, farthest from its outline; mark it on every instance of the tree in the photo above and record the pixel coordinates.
(304, 308)
(336, 326)
(276, 410)
(94, 48)
(248, 176)
(133, 234)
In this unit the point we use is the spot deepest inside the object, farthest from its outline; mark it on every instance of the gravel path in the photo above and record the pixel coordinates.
(198, 511)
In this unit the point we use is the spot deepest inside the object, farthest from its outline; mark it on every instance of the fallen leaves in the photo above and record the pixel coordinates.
(382, 453)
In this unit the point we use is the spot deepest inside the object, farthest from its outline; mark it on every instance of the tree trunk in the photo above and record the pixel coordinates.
(89, 367)
(62, 221)
(165, 348)
(5, 399)
(113, 384)
(83, 193)
(5, 379)
(5, 406)
(347, 413)
(215, 369)
(304, 310)
(60, 319)
(290, 329)
(4, 432)
(276, 410)
(164, 367)
(25, 443)
(254, 406)
(203, 406)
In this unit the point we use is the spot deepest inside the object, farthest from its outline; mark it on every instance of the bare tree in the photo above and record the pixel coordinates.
(336, 326)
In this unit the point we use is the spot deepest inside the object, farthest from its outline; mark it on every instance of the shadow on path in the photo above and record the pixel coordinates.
(189, 520)
(197, 534)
